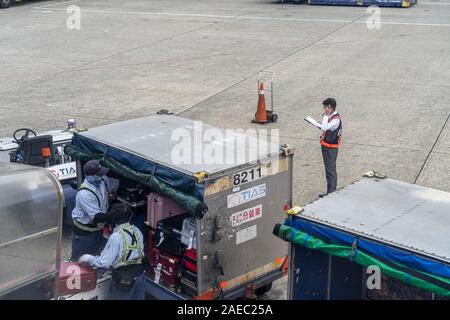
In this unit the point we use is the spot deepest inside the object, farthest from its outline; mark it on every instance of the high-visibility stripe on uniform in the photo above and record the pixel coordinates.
(92, 227)
(332, 145)
(128, 247)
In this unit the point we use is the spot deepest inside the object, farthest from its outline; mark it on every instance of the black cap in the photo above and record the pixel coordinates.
(93, 167)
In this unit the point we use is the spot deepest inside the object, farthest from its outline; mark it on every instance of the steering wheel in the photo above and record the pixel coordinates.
(26, 135)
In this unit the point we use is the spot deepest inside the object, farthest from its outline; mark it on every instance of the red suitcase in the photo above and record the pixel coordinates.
(160, 207)
(168, 279)
(75, 277)
(168, 262)
(168, 267)
(190, 260)
(149, 245)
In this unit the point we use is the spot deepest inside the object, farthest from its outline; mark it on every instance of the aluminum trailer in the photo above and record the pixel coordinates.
(401, 228)
(31, 204)
(236, 247)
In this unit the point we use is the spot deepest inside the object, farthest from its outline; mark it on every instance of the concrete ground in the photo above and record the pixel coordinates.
(201, 59)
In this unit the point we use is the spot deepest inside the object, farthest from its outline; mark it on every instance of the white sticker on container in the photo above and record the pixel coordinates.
(246, 195)
(64, 171)
(246, 215)
(246, 234)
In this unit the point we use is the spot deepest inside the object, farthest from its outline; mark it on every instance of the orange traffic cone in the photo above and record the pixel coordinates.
(261, 114)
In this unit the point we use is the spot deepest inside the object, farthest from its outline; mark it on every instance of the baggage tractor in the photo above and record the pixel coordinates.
(168, 235)
(189, 233)
(165, 268)
(160, 208)
(67, 282)
(190, 260)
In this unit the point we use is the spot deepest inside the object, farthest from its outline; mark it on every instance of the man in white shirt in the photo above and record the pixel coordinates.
(330, 140)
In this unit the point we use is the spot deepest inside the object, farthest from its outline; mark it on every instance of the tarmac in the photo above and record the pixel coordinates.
(201, 59)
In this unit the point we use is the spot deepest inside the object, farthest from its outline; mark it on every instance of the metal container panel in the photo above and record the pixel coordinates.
(247, 249)
(404, 215)
(157, 136)
(31, 204)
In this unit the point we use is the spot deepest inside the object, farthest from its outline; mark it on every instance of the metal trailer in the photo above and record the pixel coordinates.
(31, 203)
(365, 3)
(236, 247)
(401, 225)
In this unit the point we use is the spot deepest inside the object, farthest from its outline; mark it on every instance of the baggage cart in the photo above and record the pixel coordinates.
(236, 205)
(374, 239)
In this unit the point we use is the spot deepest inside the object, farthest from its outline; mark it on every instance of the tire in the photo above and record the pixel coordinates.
(274, 117)
(5, 3)
(264, 289)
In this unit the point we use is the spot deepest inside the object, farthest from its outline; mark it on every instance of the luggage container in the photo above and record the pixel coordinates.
(374, 239)
(236, 205)
(365, 3)
(31, 204)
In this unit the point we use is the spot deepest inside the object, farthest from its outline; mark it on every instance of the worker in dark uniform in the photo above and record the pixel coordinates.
(91, 210)
(330, 140)
(124, 253)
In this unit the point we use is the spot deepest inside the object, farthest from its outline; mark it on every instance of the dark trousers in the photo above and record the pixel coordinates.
(329, 159)
(92, 243)
(137, 292)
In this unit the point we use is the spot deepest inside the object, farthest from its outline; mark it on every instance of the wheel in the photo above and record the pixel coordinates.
(274, 117)
(264, 289)
(5, 3)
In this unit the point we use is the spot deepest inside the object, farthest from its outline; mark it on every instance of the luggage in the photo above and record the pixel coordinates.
(149, 244)
(75, 277)
(166, 239)
(160, 207)
(165, 268)
(190, 260)
(189, 233)
(170, 263)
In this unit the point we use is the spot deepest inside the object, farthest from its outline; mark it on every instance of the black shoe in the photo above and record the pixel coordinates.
(323, 195)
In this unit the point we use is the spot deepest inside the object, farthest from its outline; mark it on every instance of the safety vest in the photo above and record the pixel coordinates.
(127, 247)
(93, 227)
(332, 139)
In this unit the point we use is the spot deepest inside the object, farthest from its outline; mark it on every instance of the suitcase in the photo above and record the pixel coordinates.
(165, 269)
(160, 207)
(190, 260)
(149, 245)
(168, 240)
(170, 280)
(168, 262)
(68, 278)
(189, 233)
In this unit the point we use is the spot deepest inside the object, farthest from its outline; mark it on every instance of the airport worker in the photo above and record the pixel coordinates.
(124, 253)
(91, 210)
(330, 140)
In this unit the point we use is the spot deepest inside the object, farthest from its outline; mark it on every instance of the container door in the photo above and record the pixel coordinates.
(237, 244)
